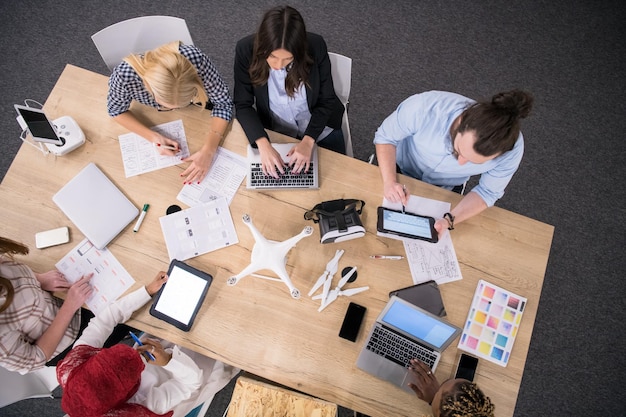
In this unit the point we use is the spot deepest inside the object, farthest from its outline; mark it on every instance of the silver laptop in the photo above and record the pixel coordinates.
(95, 205)
(403, 332)
(257, 180)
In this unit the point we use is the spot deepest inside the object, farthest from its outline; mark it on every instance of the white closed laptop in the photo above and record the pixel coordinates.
(95, 205)
(402, 332)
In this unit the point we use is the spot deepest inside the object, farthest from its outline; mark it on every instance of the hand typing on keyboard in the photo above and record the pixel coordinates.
(425, 384)
(300, 155)
(458, 395)
(271, 161)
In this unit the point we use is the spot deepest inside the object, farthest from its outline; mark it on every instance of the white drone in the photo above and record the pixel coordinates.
(272, 255)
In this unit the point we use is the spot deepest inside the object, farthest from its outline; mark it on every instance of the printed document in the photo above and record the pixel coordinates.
(141, 156)
(198, 230)
(110, 279)
(227, 171)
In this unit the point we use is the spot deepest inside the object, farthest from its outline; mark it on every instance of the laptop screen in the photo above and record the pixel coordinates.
(419, 324)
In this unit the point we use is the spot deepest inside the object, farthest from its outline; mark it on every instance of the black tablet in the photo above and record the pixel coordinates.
(425, 295)
(409, 225)
(182, 295)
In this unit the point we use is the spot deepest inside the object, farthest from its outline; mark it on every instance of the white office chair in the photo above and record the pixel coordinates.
(36, 384)
(138, 35)
(341, 70)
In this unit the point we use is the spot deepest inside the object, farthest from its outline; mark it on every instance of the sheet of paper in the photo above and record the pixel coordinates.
(198, 230)
(110, 279)
(227, 171)
(492, 323)
(140, 156)
(436, 261)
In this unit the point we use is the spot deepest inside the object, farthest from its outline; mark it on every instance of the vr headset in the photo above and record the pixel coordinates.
(338, 219)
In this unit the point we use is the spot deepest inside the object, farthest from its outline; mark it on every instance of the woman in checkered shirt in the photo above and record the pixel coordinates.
(171, 77)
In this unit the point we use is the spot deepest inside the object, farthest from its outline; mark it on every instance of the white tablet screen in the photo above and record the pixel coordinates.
(180, 295)
(405, 223)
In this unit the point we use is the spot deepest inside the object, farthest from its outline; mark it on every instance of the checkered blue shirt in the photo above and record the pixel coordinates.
(125, 86)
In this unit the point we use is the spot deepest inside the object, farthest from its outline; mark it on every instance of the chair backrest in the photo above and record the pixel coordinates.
(138, 35)
(36, 384)
(341, 70)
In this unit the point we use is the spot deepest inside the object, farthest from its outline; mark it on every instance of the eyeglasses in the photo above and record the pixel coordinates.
(163, 108)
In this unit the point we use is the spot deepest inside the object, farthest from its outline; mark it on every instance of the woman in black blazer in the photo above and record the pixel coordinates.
(283, 83)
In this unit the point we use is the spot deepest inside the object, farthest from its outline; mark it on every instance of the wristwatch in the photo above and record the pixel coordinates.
(450, 218)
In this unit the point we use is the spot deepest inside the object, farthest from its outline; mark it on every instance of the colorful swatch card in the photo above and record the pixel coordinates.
(492, 323)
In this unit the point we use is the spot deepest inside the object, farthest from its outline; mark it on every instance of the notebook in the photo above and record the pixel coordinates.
(257, 180)
(404, 331)
(95, 205)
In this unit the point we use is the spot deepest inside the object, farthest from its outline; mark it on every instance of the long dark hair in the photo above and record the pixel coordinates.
(9, 247)
(282, 27)
(496, 122)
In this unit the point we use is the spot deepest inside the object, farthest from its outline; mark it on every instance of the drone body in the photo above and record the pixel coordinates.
(271, 255)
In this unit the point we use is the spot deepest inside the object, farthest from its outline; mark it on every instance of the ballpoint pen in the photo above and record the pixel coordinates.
(392, 257)
(169, 147)
(141, 217)
(404, 191)
(136, 339)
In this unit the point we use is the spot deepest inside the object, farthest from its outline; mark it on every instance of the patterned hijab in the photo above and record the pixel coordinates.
(98, 382)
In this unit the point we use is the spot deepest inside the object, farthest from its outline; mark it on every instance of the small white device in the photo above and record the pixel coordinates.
(60, 136)
(52, 237)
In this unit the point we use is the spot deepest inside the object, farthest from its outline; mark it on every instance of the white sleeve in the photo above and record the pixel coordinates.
(186, 378)
(101, 326)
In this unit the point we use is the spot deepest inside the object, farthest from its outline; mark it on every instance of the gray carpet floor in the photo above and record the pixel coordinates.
(569, 54)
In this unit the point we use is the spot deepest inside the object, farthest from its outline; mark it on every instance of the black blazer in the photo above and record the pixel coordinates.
(326, 109)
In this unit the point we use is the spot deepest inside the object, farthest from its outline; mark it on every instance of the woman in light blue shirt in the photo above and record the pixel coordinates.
(444, 138)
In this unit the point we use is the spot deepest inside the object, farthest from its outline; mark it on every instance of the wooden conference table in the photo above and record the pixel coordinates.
(256, 325)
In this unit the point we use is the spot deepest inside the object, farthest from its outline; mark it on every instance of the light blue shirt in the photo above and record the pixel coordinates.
(291, 115)
(420, 130)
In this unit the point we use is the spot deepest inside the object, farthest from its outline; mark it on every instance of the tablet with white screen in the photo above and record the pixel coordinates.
(182, 295)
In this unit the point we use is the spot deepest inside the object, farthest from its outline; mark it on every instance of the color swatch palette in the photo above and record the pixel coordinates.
(492, 323)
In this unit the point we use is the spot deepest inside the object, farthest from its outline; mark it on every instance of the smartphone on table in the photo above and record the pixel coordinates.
(466, 367)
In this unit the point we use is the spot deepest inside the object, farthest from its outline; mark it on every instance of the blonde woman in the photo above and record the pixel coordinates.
(171, 77)
(34, 325)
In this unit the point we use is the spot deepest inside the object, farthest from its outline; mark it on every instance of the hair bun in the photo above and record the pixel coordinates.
(517, 102)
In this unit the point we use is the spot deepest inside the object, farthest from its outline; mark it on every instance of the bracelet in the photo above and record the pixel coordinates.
(450, 218)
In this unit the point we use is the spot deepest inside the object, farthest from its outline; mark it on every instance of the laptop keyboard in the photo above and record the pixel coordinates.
(288, 180)
(398, 349)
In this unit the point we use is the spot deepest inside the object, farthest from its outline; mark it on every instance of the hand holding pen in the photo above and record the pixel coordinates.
(148, 353)
(404, 197)
(153, 351)
(166, 146)
(153, 348)
(395, 192)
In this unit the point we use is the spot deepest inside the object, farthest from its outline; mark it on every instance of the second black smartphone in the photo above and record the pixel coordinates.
(352, 322)
(467, 367)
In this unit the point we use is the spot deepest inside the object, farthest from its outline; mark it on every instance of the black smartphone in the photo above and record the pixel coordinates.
(407, 224)
(466, 367)
(352, 322)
